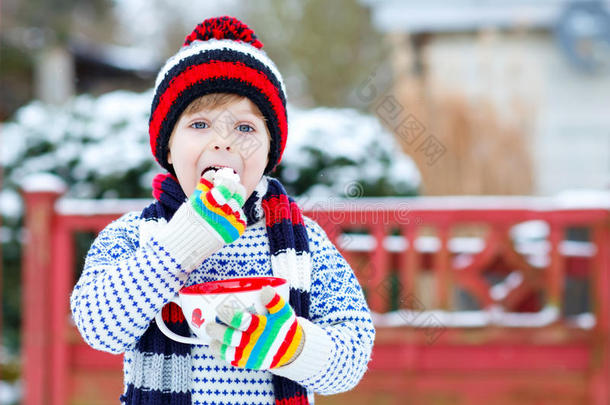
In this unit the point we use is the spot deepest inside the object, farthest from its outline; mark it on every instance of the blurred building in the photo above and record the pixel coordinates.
(500, 96)
(60, 72)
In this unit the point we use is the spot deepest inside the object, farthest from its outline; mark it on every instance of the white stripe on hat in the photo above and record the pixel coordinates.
(199, 46)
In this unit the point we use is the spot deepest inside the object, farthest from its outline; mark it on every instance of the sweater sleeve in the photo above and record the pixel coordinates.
(339, 337)
(132, 269)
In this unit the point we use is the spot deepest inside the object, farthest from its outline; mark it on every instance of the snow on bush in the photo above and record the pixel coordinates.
(352, 153)
(99, 146)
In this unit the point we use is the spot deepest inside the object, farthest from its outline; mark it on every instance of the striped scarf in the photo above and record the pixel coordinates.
(288, 244)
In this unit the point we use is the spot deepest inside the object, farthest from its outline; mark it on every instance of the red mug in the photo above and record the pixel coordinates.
(200, 303)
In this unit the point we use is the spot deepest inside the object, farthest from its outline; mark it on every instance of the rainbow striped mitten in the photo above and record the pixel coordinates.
(218, 199)
(258, 342)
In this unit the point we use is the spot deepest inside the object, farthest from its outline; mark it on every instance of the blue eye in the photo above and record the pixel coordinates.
(245, 128)
(199, 125)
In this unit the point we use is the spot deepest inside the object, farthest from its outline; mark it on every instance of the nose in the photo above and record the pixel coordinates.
(221, 141)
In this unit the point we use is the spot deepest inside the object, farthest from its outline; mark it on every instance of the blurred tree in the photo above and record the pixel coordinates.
(58, 20)
(15, 78)
(324, 49)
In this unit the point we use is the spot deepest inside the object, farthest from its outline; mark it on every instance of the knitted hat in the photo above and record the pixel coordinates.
(221, 55)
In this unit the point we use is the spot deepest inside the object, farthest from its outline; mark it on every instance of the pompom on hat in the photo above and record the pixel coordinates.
(221, 55)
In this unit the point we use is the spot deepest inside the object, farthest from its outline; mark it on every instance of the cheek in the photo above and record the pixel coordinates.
(184, 163)
(256, 164)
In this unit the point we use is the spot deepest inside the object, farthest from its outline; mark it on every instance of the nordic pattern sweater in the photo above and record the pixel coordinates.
(125, 283)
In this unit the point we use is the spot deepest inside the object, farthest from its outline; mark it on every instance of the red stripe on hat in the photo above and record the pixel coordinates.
(214, 70)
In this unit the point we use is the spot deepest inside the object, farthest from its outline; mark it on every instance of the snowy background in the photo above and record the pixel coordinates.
(77, 78)
(93, 142)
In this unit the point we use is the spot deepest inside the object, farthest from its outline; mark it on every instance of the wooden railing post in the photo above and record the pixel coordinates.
(600, 389)
(442, 269)
(556, 274)
(410, 269)
(378, 297)
(39, 195)
(60, 286)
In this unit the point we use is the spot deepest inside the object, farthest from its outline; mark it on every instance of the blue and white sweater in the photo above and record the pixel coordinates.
(125, 282)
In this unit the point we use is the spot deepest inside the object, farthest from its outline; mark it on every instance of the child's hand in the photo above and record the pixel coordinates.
(258, 342)
(218, 199)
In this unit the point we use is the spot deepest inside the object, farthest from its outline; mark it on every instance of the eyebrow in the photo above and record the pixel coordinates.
(241, 113)
(249, 113)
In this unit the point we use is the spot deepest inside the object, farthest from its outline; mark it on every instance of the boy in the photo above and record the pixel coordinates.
(218, 125)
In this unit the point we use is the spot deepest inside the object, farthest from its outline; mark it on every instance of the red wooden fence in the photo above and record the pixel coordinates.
(427, 350)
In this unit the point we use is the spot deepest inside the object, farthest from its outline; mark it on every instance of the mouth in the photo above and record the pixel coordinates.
(216, 167)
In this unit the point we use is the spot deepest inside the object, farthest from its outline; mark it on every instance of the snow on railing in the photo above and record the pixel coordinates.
(494, 316)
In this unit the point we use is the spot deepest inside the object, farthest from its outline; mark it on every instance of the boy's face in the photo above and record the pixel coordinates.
(234, 135)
